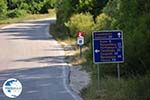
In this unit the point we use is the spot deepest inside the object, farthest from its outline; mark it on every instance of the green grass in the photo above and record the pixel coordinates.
(28, 17)
(112, 89)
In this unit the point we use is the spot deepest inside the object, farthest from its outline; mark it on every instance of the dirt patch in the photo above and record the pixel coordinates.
(79, 79)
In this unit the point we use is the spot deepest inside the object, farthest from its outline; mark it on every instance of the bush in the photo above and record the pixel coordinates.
(35, 7)
(16, 13)
(24, 6)
(81, 22)
(103, 22)
(137, 48)
(3, 8)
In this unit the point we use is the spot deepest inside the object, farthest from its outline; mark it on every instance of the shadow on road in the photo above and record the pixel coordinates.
(28, 31)
(45, 59)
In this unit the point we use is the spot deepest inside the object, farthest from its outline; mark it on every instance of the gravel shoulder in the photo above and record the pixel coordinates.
(79, 78)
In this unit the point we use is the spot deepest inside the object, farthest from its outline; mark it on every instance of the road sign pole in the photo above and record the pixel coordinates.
(98, 76)
(118, 71)
(80, 51)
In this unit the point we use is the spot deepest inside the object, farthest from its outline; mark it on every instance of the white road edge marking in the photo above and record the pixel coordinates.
(65, 78)
(65, 74)
(66, 86)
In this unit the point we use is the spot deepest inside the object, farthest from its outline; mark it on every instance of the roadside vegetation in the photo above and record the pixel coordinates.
(17, 10)
(130, 16)
(133, 18)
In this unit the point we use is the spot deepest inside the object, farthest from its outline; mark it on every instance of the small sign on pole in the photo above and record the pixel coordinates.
(80, 41)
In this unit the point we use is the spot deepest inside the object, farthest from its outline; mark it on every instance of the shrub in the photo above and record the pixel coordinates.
(16, 13)
(24, 6)
(103, 22)
(81, 22)
(3, 8)
(35, 7)
(137, 48)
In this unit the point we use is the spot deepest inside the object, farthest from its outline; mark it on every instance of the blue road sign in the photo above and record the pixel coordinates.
(108, 47)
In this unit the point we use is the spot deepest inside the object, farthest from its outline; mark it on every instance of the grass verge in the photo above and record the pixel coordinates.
(126, 89)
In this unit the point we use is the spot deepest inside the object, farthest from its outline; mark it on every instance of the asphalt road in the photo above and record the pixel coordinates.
(30, 54)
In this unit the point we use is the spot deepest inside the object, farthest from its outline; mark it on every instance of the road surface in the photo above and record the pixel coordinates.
(30, 54)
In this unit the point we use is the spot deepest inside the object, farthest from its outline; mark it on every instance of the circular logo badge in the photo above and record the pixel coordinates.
(12, 88)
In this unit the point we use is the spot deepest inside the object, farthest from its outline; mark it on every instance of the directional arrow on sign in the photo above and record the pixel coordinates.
(96, 51)
(119, 35)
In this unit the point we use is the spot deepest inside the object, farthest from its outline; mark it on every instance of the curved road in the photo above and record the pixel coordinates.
(30, 54)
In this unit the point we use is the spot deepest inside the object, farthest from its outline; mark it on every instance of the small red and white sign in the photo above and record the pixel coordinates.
(80, 34)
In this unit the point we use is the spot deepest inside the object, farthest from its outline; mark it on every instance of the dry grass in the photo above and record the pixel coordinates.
(73, 56)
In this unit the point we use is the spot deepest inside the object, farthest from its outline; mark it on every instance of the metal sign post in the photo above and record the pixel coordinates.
(80, 51)
(118, 71)
(98, 77)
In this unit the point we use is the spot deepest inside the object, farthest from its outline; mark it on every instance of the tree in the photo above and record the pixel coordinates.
(133, 18)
